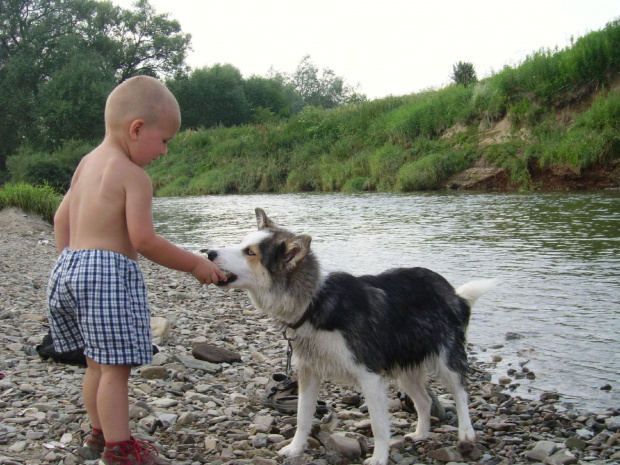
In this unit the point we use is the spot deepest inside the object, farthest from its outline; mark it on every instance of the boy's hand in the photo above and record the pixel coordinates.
(206, 272)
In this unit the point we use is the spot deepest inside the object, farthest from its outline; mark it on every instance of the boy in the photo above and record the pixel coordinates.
(96, 293)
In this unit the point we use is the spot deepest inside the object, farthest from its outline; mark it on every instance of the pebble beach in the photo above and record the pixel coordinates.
(200, 402)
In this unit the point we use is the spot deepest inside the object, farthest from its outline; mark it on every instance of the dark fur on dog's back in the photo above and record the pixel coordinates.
(418, 311)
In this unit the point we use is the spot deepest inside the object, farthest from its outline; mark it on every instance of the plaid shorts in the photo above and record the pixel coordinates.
(97, 300)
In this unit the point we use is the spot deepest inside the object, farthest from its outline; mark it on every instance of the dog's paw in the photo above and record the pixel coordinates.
(291, 450)
(467, 434)
(417, 436)
(375, 461)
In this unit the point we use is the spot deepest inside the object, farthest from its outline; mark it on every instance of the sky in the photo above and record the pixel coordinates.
(385, 47)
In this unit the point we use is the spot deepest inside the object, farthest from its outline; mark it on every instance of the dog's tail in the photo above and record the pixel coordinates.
(473, 290)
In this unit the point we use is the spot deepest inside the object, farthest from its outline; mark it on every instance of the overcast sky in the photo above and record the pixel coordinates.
(385, 46)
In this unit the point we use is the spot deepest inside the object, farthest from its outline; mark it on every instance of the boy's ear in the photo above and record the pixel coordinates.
(135, 127)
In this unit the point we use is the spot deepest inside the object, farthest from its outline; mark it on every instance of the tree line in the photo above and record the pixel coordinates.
(59, 59)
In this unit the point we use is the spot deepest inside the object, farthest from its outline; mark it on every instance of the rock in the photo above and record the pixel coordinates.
(575, 443)
(154, 372)
(496, 426)
(541, 450)
(19, 446)
(215, 354)
(446, 454)
(260, 440)
(345, 446)
(561, 457)
(613, 423)
(190, 362)
(160, 328)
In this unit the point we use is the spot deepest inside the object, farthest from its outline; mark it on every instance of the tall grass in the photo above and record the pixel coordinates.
(42, 200)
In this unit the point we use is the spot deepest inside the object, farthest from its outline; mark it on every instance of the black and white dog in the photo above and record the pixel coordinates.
(403, 323)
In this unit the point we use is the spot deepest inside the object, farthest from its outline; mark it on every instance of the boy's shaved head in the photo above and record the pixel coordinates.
(140, 97)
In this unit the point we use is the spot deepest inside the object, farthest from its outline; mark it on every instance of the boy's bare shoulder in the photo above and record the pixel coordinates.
(112, 165)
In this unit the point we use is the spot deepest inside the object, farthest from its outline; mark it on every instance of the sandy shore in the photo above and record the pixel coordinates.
(199, 412)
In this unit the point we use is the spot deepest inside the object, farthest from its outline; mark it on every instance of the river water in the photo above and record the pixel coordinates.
(557, 256)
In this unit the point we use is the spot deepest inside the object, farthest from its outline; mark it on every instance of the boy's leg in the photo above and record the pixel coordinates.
(90, 387)
(96, 439)
(113, 402)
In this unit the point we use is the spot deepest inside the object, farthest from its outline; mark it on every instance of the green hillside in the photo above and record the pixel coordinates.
(556, 114)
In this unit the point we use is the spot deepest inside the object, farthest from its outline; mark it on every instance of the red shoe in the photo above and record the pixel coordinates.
(131, 452)
(95, 441)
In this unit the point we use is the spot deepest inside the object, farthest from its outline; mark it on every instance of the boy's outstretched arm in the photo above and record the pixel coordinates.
(138, 212)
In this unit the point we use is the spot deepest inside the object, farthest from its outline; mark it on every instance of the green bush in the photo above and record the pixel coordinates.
(430, 171)
(50, 169)
(356, 184)
(41, 200)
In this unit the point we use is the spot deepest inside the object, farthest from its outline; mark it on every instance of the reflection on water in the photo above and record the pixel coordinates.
(557, 256)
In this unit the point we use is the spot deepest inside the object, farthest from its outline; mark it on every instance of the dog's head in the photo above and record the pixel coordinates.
(266, 259)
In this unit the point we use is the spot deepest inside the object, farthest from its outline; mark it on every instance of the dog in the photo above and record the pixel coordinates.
(402, 323)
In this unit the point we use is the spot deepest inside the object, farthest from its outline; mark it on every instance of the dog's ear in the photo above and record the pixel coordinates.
(296, 250)
(262, 220)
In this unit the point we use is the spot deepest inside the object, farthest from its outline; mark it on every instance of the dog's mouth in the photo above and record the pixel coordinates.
(230, 278)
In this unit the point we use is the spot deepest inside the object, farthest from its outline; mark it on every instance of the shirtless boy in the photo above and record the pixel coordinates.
(96, 293)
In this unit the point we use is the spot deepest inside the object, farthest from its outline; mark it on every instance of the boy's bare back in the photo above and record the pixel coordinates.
(109, 204)
(102, 185)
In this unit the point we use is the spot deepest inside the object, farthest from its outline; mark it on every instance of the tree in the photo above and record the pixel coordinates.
(211, 96)
(325, 90)
(149, 43)
(57, 57)
(270, 96)
(71, 102)
(463, 73)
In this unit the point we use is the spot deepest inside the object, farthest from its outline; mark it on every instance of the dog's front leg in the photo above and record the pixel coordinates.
(376, 398)
(309, 384)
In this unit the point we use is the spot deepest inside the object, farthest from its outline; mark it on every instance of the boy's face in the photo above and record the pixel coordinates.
(152, 140)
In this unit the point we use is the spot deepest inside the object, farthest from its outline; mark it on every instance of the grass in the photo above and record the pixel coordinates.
(41, 200)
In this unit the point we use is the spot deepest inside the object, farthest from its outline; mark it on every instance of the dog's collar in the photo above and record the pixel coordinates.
(302, 320)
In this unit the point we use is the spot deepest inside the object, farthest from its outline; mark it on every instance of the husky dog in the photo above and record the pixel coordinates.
(402, 323)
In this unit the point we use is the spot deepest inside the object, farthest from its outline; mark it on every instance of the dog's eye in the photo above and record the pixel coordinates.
(249, 252)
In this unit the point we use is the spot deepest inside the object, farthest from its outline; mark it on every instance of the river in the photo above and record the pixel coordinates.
(556, 310)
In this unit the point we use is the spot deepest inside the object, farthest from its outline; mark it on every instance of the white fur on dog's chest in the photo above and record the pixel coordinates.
(325, 353)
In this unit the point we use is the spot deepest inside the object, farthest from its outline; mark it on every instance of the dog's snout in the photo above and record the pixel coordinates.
(211, 255)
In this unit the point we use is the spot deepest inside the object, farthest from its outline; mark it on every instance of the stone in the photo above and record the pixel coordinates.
(613, 423)
(446, 454)
(541, 450)
(561, 457)
(575, 443)
(213, 354)
(160, 328)
(191, 362)
(154, 372)
(345, 446)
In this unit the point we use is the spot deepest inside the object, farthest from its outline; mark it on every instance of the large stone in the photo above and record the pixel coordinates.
(154, 372)
(191, 362)
(160, 327)
(613, 423)
(561, 457)
(344, 445)
(446, 454)
(214, 354)
(542, 450)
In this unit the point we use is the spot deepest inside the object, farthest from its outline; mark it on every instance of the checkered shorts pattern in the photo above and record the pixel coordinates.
(97, 300)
